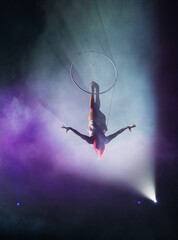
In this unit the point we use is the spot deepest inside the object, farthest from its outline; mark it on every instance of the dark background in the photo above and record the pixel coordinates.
(88, 210)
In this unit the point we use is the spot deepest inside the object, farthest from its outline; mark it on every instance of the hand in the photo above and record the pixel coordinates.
(129, 127)
(67, 128)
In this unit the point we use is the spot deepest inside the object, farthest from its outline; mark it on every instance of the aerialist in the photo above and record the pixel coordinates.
(97, 124)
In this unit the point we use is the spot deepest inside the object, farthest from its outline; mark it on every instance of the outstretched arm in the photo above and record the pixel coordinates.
(86, 138)
(112, 136)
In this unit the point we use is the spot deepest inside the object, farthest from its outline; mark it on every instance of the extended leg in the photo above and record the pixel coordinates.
(97, 103)
(95, 113)
(92, 102)
(100, 115)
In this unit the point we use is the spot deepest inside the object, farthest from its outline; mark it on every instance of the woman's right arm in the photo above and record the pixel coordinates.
(89, 140)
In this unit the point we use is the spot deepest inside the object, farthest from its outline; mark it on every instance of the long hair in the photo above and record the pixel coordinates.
(98, 150)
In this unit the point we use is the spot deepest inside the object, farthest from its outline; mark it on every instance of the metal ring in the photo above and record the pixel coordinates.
(75, 60)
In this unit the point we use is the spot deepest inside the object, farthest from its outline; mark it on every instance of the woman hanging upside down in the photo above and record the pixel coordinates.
(97, 124)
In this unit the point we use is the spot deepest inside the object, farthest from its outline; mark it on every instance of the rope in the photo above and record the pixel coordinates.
(109, 113)
(84, 40)
(98, 11)
(112, 95)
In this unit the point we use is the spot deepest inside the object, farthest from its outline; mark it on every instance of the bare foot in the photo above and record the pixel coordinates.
(93, 85)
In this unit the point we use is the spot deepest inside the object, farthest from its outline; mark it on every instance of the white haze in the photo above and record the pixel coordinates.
(129, 41)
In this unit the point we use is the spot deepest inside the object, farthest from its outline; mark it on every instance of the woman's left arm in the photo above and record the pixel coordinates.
(112, 136)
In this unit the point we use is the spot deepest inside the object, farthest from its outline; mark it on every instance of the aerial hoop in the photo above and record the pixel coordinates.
(101, 54)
